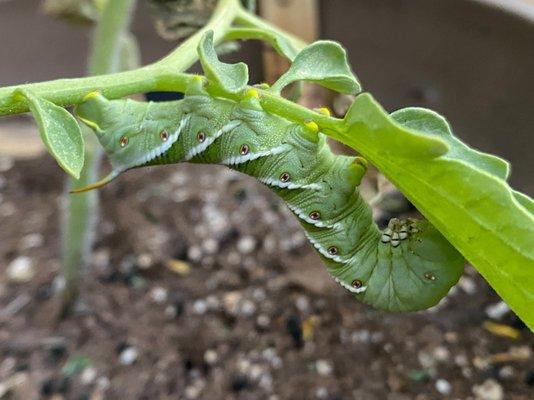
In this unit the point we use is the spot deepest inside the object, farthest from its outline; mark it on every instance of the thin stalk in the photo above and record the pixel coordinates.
(80, 213)
(108, 37)
(247, 19)
(164, 75)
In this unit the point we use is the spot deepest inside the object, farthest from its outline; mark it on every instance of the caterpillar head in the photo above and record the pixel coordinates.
(132, 133)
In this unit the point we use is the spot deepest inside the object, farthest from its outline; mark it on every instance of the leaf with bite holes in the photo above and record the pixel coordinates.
(325, 63)
(231, 78)
(461, 191)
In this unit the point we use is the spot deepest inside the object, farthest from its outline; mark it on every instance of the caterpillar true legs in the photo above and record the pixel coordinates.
(409, 266)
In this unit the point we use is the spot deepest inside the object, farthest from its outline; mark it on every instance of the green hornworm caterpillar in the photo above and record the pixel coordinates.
(408, 266)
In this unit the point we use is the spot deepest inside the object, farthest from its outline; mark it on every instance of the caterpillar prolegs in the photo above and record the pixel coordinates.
(406, 267)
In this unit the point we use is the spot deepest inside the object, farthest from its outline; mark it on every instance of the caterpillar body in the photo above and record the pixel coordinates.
(406, 267)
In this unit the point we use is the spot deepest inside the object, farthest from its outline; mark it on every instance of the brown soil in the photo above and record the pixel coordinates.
(255, 316)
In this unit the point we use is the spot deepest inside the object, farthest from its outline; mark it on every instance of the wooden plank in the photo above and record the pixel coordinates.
(300, 17)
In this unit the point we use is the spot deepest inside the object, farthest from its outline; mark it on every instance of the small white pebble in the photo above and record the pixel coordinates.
(255, 372)
(159, 295)
(259, 294)
(21, 269)
(194, 253)
(507, 372)
(461, 360)
(489, 390)
(303, 304)
(247, 308)
(467, 284)
(323, 367)
(210, 246)
(192, 392)
(31, 240)
(128, 356)
(321, 393)
(246, 244)
(361, 336)
(266, 381)
(101, 258)
(497, 310)
(263, 321)
(103, 383)
(58, 284)
(200, 307)
(211, 357)
(443, 386)
(145, 261)
(441, 353)
(88, 375)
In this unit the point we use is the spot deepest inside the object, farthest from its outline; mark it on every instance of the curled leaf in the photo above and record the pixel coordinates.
(282, 46)
(59, 131)
(325, 63)
(231, 78)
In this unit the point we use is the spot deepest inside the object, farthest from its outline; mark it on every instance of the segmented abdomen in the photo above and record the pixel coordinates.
(408, 266)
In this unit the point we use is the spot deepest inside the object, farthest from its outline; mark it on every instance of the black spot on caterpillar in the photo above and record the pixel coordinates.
(406, 267)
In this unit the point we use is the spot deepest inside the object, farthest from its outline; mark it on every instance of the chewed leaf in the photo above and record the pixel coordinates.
(59, 131)
(231, 78)
(463, 193)
(430, 122)
(366, 118)
(325, 63)
(282, 46)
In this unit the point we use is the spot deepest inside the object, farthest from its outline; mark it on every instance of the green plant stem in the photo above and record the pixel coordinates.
(246, 19)
(164, 75)
(220, 22)
(80, 214)
(107, 38)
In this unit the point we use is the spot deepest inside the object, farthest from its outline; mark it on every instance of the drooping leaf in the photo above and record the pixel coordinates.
(231, 78)
(325, 63)
(59, 131)
(463, 193)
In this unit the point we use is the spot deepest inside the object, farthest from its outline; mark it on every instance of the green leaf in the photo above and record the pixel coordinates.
(424, 120)
(462, 193)
(231, 78)
(325, 63)
(389, 137)
(59, 131)
(282, 46)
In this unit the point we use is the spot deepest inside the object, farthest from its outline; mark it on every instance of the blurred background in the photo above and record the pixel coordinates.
(201, 284)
